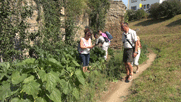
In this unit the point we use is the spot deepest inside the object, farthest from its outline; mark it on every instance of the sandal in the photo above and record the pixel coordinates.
(130, 78)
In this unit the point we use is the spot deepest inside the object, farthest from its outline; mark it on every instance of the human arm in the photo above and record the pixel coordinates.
(136, 49)
(91, 46)
(136, 40)
(139, 44)
(82, 45)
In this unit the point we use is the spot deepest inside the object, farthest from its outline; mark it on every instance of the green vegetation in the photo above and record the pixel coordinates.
(166, 9)
(97, 13)
(135, 15)
(161, 81)
(52, 71)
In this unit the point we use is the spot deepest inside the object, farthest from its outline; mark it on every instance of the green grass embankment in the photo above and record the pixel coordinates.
(160, 82)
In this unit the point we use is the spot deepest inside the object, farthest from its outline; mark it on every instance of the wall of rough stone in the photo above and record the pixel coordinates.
(116, 12)
(114, 15)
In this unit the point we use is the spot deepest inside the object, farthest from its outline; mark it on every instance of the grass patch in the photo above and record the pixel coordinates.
(161, 81)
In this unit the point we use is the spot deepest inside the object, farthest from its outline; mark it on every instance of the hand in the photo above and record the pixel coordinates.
(134, 55)
(90, 47)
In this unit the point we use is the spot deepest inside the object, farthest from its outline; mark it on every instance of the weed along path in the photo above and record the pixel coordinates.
(120, 89)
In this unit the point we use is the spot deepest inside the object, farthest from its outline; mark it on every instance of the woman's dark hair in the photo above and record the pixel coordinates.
(87, 31)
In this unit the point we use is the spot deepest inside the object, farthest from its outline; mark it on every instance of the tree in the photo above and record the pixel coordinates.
(97, 13)
(73, 9)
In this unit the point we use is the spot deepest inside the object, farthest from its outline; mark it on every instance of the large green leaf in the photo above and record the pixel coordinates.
(55, 95)
(5, 66)
(17, 78)
(29, 79)
(26, 61)
(54, 62)
(70, 69)
(42, 75)
(75, 63)
(79, 76)
(76, 93)
(2, 75)
(64, 86)
(31, 88)
(52, 79)
(5, 91)
(39, 99)
(19, 100)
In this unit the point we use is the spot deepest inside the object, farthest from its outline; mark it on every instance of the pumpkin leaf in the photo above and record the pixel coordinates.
(17, 78)
(79, 76)
(55, 95)
(31, 88)
(76, 93)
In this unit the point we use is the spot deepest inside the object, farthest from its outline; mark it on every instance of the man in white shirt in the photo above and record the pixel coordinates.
(129, 39)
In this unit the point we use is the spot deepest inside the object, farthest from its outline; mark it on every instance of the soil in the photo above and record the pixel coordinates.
(117, 92)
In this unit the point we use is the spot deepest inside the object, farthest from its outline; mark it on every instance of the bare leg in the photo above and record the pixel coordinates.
(127, 72)
(130, 68)
(87, 69)
(137, 69)
(131, 71)
(84, 69)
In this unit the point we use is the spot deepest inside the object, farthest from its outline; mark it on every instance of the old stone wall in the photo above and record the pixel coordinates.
(114, 15)
(116, 12)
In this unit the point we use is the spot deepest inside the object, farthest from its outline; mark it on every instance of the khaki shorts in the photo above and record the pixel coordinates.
(128, 55)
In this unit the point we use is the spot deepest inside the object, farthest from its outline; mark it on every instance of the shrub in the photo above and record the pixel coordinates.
(163, 8)
(154, 10)
(166, 9)
(131, 14)
(173, 8)
(141, 14)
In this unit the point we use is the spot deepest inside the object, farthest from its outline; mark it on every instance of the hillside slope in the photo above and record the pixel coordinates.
(146, 28)
(161, 81)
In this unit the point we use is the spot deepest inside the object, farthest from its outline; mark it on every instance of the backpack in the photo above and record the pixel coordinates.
(106, 39)
(108, 35)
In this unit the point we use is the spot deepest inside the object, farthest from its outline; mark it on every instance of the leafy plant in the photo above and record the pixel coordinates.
(154, 10)
(96, 15)
(96, 54)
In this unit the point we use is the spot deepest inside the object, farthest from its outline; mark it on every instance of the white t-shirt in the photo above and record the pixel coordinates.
(100, 40)
(131, 36)
(86, 50)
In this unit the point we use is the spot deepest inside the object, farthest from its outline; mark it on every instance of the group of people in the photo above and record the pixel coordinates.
(86, 45)
(131, 44)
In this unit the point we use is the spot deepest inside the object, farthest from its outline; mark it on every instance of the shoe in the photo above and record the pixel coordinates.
(130, 78)
(126, 78)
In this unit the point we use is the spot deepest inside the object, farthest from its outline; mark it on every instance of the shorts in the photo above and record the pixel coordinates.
(128, 55)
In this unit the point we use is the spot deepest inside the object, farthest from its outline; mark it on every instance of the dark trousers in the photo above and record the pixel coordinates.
(85, 59)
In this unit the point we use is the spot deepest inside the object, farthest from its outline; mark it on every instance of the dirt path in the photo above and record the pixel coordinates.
(120, 89)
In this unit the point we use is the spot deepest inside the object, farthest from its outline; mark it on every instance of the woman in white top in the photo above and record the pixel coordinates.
(136, 59)
(85, 46)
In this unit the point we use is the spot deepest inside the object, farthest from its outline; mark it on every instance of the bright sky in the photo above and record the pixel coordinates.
(125, 2)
